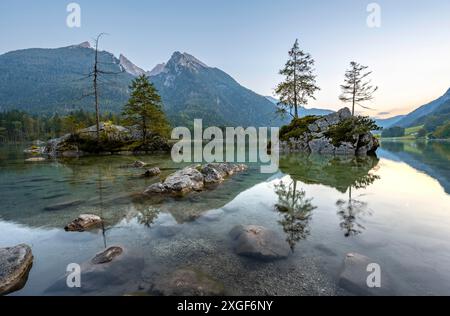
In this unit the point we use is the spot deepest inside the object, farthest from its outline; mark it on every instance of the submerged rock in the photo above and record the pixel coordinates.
(83, 222)
(109, 278)
(15, 264)
(152, 172)
(168, 229)
(138, 164)
(213, 215)
(259, 243)
(63, 205)
(35, 159)
(188, 282)
(194, 178)
(354, 275)
(107, 256)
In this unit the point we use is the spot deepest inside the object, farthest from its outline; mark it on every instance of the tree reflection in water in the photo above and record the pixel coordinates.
(148, 216)
(295, 209)
(341, 173)
(351, 212)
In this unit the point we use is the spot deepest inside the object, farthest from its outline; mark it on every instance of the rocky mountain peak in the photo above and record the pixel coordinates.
(84, 45)
(159, 68)
(129, 67)
(185, 60)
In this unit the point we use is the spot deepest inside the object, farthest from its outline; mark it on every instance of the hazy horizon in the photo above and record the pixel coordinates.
(408, 54)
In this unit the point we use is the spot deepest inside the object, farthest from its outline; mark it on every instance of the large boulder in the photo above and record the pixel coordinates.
(217, 172)
(259, 243)
(321, 145)
(313, 136)
(15, 264)
(183, 181)
(194, 178)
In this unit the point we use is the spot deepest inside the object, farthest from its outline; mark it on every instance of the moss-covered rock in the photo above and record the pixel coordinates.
(338, 133)
(113, 139)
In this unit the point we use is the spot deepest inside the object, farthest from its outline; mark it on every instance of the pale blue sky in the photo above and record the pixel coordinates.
(249, 39)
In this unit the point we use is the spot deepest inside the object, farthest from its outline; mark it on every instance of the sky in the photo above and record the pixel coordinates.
(409, 53)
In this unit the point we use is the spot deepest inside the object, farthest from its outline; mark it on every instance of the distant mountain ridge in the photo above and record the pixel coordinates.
(423, 111)
(389, 122)
(47, 81)
(302, 111)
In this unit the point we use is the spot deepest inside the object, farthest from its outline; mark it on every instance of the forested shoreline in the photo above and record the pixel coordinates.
(19, 126)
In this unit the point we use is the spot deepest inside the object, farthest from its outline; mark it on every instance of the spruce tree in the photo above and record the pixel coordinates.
(144, 108)
(357, 87)
(299, 84)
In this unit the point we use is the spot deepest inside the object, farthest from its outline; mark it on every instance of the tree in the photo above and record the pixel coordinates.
(299, 84)
(395, 131)
(144, 108)
(95, 74)
(422, 133)
(357, 87)
(296, 210)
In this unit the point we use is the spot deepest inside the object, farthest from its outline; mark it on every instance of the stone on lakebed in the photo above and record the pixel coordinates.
(258, 242)
(83, 222)
(15, 264)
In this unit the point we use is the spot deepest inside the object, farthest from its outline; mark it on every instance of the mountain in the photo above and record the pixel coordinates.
(48, 81)
(129, 67)
(191, 89)
(157, 69)
(302, 111)
(423, 111)
(389, 122)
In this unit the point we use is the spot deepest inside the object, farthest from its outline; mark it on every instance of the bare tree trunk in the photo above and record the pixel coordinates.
(96, 71)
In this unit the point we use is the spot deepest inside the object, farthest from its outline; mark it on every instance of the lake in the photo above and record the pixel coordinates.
(394, 209)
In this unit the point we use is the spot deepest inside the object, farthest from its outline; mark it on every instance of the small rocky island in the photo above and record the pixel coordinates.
(337, 133)
(195, 178)
(114, 139)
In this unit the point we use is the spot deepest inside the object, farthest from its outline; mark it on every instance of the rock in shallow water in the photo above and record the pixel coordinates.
(354, 276)
(83, 222)
(138, 164)
(107, 256)
(63, 205)
(168, 229)
(258, 242)
(188, 282)
(15, 264)
(194, 178)
(35, 159)
(153, 172)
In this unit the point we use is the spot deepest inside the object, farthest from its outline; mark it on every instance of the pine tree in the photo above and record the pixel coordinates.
(144, 108)
(357, 87)
(299, 84)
